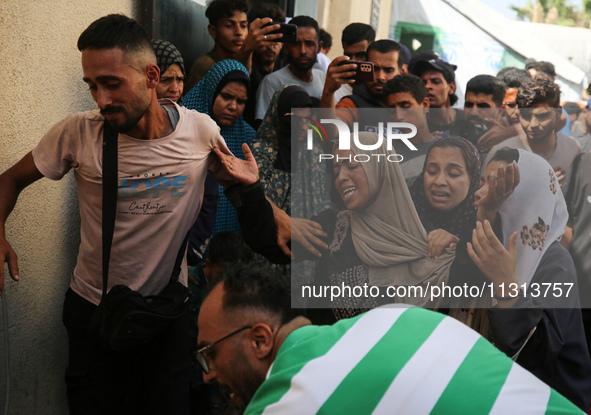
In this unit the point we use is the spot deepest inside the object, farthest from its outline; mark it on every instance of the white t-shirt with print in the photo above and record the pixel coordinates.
(160, 190)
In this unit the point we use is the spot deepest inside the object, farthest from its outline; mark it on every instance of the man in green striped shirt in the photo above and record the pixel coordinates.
(391, 360)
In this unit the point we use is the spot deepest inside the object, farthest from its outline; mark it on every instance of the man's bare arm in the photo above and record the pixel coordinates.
(336, 76)
(12, 182)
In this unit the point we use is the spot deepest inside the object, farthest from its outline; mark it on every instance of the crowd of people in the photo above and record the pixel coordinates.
(494, 195)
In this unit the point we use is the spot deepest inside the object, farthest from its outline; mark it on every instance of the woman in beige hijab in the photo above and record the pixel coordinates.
(378, 240)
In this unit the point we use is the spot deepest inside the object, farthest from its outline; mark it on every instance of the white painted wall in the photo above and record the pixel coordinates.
(41, 83)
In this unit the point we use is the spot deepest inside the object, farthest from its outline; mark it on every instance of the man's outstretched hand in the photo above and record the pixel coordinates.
(244, 171)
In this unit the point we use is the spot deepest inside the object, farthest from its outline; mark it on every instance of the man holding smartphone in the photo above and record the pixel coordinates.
(265, 59)
(387, 60)
(355, 39)
(300, 71)
(233, 37)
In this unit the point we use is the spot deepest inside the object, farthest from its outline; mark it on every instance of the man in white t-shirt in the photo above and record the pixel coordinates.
(165, 152)
(300, 71)
(538, 100)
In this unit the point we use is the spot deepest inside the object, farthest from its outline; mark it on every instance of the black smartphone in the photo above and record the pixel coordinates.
(289, 31)
(364, 71)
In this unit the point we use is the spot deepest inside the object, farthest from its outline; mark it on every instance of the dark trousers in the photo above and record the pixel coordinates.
(153, 379)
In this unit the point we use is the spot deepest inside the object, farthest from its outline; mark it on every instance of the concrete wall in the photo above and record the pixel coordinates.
(306, 8)
(41, 83)
(335, 15)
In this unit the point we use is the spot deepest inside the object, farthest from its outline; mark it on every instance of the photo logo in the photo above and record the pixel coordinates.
(390, 133)
(316, 126)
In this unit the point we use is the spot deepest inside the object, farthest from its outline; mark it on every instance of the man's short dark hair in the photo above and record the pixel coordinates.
(305, 21)
(488, 85)
(530, 63)
(325, 38)
(406, 83)
(546, 67)
(387, 46)
(248, 287)
(539, 90)
(572, 108)
(116, 31)
(358, 32)
(266, 10)
(221, 9)
(513, 77)
(226, 248)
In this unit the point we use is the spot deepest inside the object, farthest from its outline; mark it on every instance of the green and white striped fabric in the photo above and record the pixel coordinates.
(398, 360)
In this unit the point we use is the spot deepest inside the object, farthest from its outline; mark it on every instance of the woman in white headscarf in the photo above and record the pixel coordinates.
(537, 320)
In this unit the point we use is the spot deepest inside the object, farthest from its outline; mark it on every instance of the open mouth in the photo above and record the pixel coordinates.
(348, 192)
(439, 196)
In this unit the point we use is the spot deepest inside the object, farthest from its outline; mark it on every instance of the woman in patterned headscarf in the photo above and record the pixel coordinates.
(536, 321)
(292, 178)
(282, 159)
(222, 94)
(172, 70)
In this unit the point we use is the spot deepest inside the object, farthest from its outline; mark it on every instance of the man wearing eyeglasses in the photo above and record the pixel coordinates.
(392, 359)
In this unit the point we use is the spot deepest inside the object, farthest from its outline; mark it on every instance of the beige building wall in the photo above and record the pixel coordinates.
(335, 15)
(41, 83)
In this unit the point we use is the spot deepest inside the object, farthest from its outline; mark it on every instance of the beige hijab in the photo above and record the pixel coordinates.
(388, 234)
